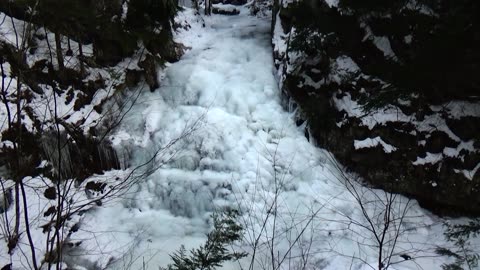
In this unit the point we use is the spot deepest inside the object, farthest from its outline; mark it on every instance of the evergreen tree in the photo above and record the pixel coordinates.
(215, 251)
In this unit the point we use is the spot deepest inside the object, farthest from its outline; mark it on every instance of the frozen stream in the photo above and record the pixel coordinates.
(245, 148)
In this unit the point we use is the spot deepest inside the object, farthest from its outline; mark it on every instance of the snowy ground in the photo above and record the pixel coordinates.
(244, 151)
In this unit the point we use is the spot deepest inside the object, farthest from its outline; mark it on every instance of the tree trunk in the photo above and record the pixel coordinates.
(80, 58)
(69, 49)
(208, 7)
(196, 6)
(58, 48)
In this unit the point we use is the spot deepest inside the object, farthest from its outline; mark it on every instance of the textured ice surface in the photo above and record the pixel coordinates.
(244, 149)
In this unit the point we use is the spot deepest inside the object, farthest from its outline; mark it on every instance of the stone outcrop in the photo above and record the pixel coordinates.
(108, 49)
(383, 96)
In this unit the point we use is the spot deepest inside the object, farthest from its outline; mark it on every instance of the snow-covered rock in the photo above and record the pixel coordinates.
(358, 74)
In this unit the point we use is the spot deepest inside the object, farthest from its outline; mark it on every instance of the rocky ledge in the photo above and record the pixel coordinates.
(391, 91)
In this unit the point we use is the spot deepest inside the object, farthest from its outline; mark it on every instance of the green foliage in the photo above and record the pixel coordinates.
(440, 62)
(311, 42)
(381, 98)
(471, 229)
(318, 33)
(442, 59)
(215, 251)
(464, 254)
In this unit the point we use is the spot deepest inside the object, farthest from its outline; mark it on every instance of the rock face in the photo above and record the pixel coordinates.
(107, 49)
(390, 90)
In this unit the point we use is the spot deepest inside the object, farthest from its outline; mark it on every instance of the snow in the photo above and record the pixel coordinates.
(310, 82)
(392, 113)
(373, 142)
(457, 109)
(433, 158)
(280, 44)
(242, 144)
(8, 26)
(382, 43)
(430, 158)
(219, 137)
(436, 122)
(408, 39)
(226, 7)
(123, 17)
(46, 47)
(455, 152)
(420, 8)
(378, 117)
(279, 38)
(469, 174)
(332, 3)
(342, 69)
(346, 64)
(37, 206)
(10, 89)
(43, 106)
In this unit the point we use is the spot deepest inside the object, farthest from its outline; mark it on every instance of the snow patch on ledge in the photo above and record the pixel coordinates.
(353, 109)
(469, 174)
(373, 142)
(382, 43)
(429, 159)
(435, 122)
(332, 3)
(310, 82)
(343, 68)
(458, 109)
(392, 113)
(455, 152)
(420, 8)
